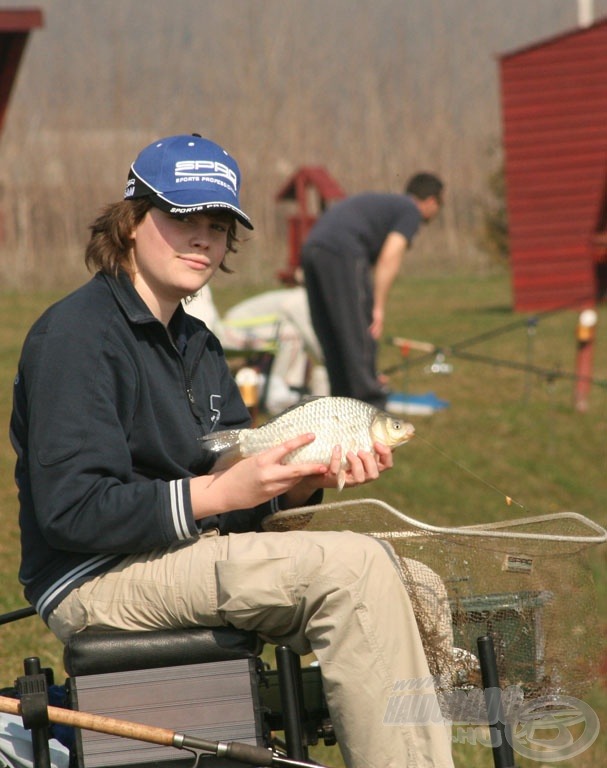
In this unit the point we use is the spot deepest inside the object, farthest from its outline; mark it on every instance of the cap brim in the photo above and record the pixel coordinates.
(179, 209)
(184, 202)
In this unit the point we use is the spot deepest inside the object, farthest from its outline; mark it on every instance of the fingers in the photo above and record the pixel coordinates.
(363, 467)
(280, 452)
(385, 457)
(278, 457)
(375, 332)
(351, 470)
(369, 464)
(335, 463)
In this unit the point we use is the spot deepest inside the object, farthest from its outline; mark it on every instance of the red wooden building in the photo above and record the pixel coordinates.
(15, 27)
(554, 108)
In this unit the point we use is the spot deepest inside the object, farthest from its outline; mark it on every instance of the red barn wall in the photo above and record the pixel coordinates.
(554, 108)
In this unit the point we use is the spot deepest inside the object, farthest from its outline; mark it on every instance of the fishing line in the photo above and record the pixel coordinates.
(509, 499)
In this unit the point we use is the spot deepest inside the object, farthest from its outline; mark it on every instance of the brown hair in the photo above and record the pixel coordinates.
(109, 248)
(424, 185)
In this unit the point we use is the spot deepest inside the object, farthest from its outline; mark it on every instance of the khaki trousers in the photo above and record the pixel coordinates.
(338, 594)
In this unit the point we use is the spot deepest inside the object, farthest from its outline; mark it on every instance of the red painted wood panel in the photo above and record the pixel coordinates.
(15, 26)
(554, 111)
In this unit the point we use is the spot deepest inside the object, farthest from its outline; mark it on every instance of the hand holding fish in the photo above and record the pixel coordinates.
(323, 442)
(270, 473)
(362, 467)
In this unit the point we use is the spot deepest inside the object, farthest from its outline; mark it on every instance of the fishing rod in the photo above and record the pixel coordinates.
(244, 753)
(548, 373)
(531, 320)
(457, 349)
(20, 613)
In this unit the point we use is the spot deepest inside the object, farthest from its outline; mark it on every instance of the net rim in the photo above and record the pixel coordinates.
(481, 530)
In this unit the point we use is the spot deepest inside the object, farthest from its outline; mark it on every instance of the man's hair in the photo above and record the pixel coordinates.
(424, 185)
(109, 249)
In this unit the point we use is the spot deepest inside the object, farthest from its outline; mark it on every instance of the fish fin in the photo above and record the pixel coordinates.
(341, 479)
(225, 445)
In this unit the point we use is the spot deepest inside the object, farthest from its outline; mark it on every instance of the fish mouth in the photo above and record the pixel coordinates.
(408, 432)
(405, 438)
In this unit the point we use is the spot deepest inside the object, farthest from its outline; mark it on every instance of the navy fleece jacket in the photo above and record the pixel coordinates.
(109, 406)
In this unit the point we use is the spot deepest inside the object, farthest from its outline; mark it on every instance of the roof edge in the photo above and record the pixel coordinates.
(553, 39)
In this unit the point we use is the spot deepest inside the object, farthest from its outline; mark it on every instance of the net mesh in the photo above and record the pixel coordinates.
(525, 583)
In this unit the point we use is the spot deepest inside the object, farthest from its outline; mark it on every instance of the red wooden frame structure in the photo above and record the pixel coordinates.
(312, 188)
(15, 27)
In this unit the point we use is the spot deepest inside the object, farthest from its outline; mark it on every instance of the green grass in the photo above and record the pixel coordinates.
(506, 433)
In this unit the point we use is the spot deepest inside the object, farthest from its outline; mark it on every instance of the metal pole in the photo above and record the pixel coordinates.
(32, 689)
(289, 678)
(20, 613)
(503, 754)
(531, 331)
(585, 333)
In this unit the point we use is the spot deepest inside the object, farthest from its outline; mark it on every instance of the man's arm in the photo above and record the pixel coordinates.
(386, 269)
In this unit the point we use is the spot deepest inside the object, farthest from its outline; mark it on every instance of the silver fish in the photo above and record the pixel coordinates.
(349, 423)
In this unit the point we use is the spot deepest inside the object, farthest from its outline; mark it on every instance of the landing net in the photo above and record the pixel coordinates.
(526, 583)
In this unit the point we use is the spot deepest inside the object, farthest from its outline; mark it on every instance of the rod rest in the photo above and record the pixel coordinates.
(94, 651)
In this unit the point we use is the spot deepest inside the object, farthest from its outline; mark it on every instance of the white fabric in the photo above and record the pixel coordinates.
(278, 321)
(16, 745)
(202, 306)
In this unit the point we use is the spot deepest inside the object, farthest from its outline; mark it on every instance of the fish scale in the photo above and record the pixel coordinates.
(334, 420)
(352, 424)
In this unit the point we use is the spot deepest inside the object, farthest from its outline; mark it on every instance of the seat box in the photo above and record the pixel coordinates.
(217, 701)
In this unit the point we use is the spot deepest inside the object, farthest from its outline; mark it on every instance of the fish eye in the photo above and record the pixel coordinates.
(396, 425)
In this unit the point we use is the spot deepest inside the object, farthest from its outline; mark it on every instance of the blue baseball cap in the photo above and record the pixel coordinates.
(187, 174)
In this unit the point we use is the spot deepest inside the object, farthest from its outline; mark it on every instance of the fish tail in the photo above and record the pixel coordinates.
(225, 445)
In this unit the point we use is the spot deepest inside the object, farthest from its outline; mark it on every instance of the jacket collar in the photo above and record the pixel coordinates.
(131, 303)
(138, 313)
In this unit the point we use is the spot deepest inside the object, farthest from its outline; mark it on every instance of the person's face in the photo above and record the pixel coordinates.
(174, 257)
(430, 208)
